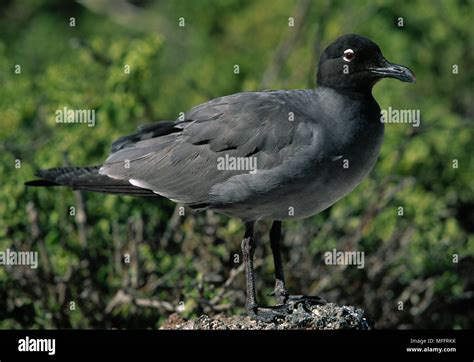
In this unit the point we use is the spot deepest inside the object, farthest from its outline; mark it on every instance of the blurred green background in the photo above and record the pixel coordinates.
(186, 264)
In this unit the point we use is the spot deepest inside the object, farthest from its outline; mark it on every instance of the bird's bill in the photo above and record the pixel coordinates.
(390, 70)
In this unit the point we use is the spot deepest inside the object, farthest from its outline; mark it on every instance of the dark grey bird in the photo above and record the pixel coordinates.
(274, 155)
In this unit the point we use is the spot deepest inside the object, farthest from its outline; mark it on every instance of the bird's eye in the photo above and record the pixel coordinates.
(348, 55)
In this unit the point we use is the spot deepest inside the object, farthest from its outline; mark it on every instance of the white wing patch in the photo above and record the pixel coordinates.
(141, 184)
(145, 185)
(101, 172)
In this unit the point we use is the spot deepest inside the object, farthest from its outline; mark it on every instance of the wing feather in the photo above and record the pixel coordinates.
(179, 160)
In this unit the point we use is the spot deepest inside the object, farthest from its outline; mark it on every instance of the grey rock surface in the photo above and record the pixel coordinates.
(321, 317)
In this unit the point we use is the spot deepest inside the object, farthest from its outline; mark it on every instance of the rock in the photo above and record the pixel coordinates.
(327, 316)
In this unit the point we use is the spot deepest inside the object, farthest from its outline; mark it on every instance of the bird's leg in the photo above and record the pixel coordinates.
(248, 249)
(280, 291)
(287, 302)
(269, 314)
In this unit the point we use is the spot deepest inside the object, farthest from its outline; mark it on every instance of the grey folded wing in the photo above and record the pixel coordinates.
(179, 160)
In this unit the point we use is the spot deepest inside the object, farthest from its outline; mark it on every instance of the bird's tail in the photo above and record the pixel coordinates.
(87, 179)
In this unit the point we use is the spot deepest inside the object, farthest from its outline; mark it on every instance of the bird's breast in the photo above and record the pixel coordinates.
(333, 177)
(346, 147)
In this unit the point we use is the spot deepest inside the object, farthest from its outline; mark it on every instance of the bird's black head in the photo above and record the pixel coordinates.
(356, 63)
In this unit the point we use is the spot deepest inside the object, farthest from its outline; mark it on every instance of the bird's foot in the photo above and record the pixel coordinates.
(306, 300)
(269, 314)
(300, 303)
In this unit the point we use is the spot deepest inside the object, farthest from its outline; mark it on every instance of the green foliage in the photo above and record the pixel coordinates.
(409, 258)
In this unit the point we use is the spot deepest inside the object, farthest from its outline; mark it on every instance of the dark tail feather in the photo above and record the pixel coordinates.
(87, 179)
(42, 183)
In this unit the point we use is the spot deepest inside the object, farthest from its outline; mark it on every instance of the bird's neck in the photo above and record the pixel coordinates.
(343, 103)
(350, 93)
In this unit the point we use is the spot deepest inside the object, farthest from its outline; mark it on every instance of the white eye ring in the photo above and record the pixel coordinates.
(348, 55)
